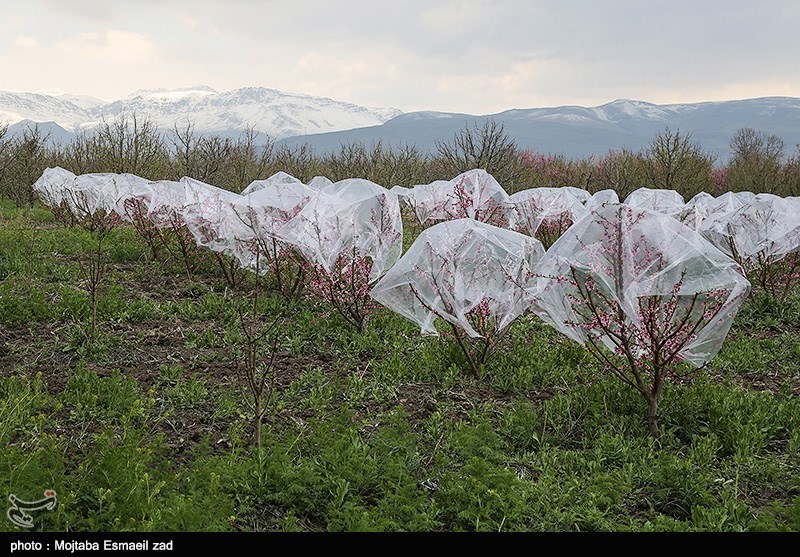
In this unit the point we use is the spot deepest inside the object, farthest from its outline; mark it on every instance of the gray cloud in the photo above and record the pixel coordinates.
(474, 56)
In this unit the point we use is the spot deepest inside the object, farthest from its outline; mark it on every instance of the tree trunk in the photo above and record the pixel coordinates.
(257, 422)
(652, 416)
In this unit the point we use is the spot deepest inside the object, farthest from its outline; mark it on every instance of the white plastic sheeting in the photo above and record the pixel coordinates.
(86, 194)
(668, 202)
(474, 194)
(165, 202)
(455, 266)
(761, 231)
(703, 210)
(402, 194)
(278, 180)
(319, 183)
(347, 219)
(622, 258)
(53, 186)
(579, 193)
(602, 196)
(555, 209)
(210, 217)
(695, 210)
(268, 206)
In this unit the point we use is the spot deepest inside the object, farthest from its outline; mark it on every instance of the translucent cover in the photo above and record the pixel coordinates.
(602, 196)
(402, 194)
(629, 261)
(209, 216)
(763, 230)
(278, 181)
(455, 266)
(350, 218)
(667, 202)
(579, 193)
(553, 208)
(474, 194)
(88, 193)
(694, 212)
(319, 183)
(262, 212)
(166, 202)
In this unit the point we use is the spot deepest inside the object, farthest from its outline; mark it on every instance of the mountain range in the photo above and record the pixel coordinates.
(325, 124)
(226, 113)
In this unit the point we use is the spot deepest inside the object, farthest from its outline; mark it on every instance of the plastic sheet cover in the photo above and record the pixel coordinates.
(455, 266)
(268, 206)
(210, 217)
(347, 219)
(86, 194)
(762, 231)
(278, 181)
(474, 194)
(602, 196)
(667, 202)
(623, 259)
(552, 208)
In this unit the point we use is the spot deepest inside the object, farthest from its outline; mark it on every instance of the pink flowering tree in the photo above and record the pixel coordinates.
(136, 213)
(468, 274)
(718, 176)
(546, 213)
(349, 234)
(557, 170)
(474, 194)
(642, 293)
(263, 209)
(345, 287)
(462, 203)
(763, 236)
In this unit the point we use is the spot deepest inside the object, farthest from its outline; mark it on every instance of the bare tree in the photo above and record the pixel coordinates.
(403, 165)
(23, 161)
(130, 143)
(486, 146)
(756, 162)
(249, 159)
(676, 162)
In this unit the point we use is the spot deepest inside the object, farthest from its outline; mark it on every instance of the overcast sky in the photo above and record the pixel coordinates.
(469, 56)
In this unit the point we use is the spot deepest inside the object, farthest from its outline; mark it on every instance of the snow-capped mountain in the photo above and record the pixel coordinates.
(578, 131)
(38, 107)
(269, 111)
(325, 124)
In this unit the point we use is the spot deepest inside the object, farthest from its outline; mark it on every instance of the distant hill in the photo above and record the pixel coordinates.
(577, 131)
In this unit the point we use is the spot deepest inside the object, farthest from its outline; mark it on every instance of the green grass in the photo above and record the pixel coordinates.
(146, 428)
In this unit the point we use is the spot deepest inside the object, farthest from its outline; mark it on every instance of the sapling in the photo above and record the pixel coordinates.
(179, 241)
(99, 222)
(469, 274)
(143, 225)
(349, 235)
(763, 237)
(474, 194)
(642, 293)
(546, 213)
(286, 267)
(461, 203)
(346, 287)
(255, 368)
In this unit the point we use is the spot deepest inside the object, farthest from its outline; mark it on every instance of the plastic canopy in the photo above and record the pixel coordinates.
(453, 267)
(626, 256)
